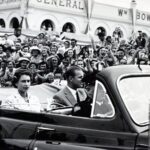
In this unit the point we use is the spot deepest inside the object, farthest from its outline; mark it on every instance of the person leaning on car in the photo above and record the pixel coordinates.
(22, 99)
(73, 92)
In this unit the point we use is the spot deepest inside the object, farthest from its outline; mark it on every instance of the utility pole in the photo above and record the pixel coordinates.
(133, 8)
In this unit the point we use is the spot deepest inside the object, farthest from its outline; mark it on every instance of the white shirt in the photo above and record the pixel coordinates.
(73, 92)
(16, 101)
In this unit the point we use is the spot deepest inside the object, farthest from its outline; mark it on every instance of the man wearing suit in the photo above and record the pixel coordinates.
(73, 92)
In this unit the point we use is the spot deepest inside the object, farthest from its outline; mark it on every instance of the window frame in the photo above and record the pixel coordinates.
(94, 101)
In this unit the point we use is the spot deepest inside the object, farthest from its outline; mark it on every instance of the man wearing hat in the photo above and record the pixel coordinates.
(23, 63)
(35, 54)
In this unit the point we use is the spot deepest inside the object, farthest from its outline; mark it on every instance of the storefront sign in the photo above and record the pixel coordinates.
(8, 1)
(142, 16)
(74, 4)
(122, 12)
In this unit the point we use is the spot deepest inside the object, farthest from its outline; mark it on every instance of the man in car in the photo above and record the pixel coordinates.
(73, 92)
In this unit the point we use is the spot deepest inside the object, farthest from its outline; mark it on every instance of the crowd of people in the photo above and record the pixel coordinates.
(48, 58)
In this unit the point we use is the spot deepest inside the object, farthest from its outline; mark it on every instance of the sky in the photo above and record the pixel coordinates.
(143, 5)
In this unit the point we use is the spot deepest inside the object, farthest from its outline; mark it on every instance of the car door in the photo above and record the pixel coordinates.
(110, 131)
(17, 129)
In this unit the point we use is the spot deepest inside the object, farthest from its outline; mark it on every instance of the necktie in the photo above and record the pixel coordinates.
(77, 96)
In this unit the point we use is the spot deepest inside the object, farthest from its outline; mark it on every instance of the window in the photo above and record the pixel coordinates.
(14, 23)
(136, 97)
(68, 27)
(102, 106)
(47, 25)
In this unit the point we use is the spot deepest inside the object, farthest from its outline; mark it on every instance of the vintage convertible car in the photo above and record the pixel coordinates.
(119, 117)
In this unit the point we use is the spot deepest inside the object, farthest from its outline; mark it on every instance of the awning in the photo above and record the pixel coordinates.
(82, 39)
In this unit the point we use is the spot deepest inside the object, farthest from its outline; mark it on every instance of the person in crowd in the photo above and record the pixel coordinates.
(35, 54)
(25, 52)
(22, 99)
(9, 56)
(80, 63)
(7, 40)
(102, 39)
(108, 42)
(8, 77)
(132, 56)
(66, 45)
(140, 40)
(73, 44)
(93, 64)
(41, 73)
(70, 53)
(53, 49)
(84, 53)
(65, 64)
(74, 47)
(68, 95)
(2, 53)
(50, 77)
(17, 53)
(44, 53)
(35, 41)
(23, 63)
(148, 47)
(33, 68)
(54, 65)
(120, 56)
(2, 72)
(142, 56)
(102, 58)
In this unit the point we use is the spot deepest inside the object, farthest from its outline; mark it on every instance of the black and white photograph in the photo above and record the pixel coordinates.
(74, 74)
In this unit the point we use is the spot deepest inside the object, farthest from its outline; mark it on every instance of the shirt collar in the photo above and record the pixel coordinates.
(72, 91)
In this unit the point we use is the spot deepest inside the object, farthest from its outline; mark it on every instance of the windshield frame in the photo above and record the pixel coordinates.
(131, 75)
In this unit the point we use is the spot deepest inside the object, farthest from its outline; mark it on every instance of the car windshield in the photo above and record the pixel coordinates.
(136, 96)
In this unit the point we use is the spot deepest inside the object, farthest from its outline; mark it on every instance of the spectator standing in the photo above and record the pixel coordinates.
(25, 52)
(44, 53)
(33, 68)
(23, 63)
(140, 40)
(54, 65)
(41, 73)
(70, 53)
(9, 54)
(2, 53)
(8, 77)
(35, 54)
(2, 72)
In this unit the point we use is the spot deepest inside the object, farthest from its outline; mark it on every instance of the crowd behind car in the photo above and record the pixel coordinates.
(47, 57)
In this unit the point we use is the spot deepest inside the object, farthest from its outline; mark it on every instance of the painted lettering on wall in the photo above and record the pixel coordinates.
(122, 12)
(139, 15)
(142, 16)
(8, 1)
(75, 4)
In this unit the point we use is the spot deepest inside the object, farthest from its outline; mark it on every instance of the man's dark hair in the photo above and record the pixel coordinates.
(18, 74)
(71, 71)
(74, 40)
(43, 63)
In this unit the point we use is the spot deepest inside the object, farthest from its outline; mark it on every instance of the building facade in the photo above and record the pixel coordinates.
(72, 16)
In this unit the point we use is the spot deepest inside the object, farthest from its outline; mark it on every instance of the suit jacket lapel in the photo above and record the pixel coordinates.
(69, 96)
